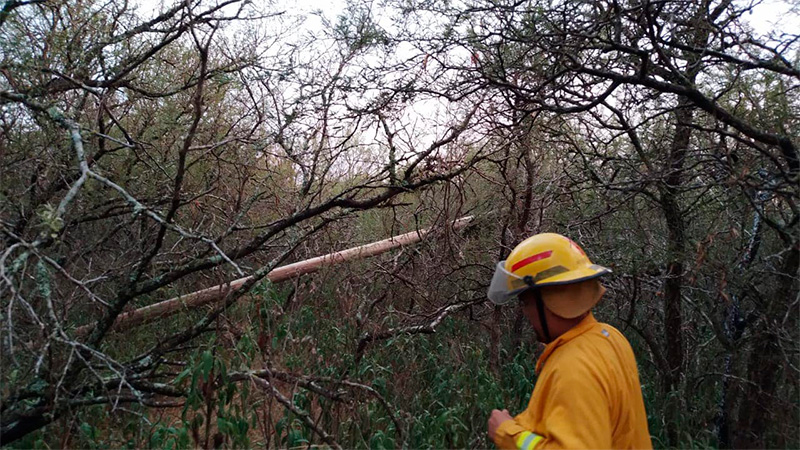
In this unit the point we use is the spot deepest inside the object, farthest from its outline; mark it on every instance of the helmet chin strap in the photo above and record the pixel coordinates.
(542, 316)
(537, 292)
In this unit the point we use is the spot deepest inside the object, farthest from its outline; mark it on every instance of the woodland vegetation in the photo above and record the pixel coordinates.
(152, 151)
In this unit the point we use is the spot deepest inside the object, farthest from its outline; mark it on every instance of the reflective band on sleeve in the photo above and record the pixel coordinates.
(528, 441)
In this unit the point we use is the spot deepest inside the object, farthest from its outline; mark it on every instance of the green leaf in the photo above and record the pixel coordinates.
(89, 431)
(295, 438)
(182, 376)
(206, 364)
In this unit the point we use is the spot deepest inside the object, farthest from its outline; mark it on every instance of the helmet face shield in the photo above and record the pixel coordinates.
(505, 285)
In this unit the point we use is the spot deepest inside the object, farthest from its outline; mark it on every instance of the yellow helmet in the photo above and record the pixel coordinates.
(546, 259)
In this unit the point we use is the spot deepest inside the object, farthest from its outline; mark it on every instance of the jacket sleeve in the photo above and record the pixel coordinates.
(576, 415)
(508, 433)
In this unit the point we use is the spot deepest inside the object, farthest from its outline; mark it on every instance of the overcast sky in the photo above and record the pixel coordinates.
(767, 15)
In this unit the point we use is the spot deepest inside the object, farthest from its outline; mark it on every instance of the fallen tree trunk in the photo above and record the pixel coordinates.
(196, 299)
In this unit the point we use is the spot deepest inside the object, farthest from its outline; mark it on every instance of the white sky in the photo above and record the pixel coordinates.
(778, 15)
(767, 17)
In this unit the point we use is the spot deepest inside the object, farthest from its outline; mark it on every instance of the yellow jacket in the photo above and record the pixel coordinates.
(587, 395)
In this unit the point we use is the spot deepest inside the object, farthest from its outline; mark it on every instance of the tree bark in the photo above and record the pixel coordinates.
(676, 245)
(757, 411)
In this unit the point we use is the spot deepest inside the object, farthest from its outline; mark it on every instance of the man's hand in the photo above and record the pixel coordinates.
(496, 419)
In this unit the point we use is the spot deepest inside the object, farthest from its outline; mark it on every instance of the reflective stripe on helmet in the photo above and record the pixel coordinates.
(528, 441)
(537, 257)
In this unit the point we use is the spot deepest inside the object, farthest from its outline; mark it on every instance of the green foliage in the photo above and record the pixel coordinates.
(211, 393)
(358, 29)
(50, 220)
(451, 397)
(169, 437)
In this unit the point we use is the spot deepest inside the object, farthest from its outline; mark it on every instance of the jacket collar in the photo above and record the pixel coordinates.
(583, 326)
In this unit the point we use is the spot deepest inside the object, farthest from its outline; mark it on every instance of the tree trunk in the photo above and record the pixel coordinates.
(202, 297)
(764, 367)
(676, 245)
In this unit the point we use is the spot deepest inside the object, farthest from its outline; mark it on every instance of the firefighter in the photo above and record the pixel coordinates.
(587, 393)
